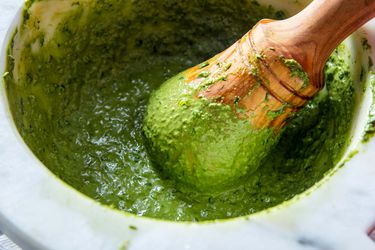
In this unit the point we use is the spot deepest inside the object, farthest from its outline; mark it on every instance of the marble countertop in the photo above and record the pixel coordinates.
(7, 244)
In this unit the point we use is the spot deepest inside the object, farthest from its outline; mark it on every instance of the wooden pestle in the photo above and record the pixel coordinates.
(211, 126)
(259, 61)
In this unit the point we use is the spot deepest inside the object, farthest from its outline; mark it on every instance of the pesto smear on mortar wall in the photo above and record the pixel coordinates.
(79, 79)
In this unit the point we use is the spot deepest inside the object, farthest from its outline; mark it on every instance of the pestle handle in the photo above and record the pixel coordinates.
(308, 37)
(311, 36)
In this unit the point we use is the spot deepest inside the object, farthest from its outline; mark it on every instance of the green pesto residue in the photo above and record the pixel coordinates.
(370, 127)
(296, 70)
(79, 98)
(275, 113)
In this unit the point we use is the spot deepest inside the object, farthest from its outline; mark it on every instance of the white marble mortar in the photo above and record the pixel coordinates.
(38, 211)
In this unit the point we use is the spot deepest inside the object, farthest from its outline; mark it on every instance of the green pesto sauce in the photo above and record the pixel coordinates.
(296, 70)
(79, 96)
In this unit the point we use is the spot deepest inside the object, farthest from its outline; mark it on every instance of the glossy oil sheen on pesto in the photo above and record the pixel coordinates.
(78, 93)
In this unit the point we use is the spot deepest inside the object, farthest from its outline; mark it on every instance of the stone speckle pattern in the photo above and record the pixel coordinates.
(7, 244)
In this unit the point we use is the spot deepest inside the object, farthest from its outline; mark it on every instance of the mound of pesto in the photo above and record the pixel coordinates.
(80, 77)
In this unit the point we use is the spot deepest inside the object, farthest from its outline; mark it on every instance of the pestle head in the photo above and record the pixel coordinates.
(200, 143)
(211, 126)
